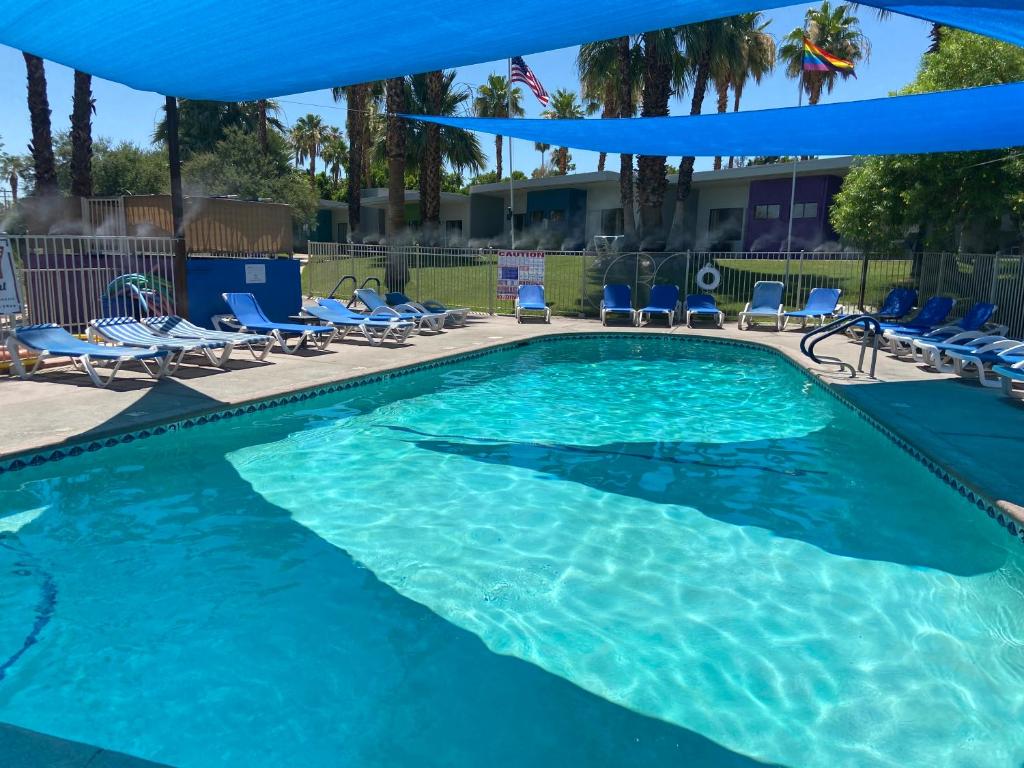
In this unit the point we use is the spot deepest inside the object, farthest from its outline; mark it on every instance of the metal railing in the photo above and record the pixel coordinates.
(872, 331)
(64, 279)
(573, 279)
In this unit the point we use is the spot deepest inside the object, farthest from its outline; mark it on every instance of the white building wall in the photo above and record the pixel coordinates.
(718, 196)
(600, 197)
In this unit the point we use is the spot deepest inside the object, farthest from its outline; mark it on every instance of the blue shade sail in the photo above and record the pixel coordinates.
(232, 50)
(991, 117)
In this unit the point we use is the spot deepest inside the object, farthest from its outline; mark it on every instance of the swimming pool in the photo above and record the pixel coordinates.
(606, 551)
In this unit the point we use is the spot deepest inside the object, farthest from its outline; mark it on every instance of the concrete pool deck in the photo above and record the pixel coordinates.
(973, 432)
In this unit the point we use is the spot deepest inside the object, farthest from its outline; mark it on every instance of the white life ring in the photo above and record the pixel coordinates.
(708, 278)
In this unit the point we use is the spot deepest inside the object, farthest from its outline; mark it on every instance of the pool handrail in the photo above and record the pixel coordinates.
(815, 335)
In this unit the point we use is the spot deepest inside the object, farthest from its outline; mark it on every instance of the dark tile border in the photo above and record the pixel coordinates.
(969, 493)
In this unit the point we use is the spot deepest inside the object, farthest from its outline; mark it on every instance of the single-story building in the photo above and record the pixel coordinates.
(733, 209)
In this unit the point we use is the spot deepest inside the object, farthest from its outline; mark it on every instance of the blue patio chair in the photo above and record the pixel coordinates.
(703, 305)
(935, 354)
(766, 303)
(617, 300)
(376, 327)
(249, 316)
(424, 320)
(929, 317)
(179, 328)
(131, 333)
(530, 298)
(821, 303)
(663, 302)
(973, 324)
(1005, 352)
(454, 316)
(47, 340)
(898, 303)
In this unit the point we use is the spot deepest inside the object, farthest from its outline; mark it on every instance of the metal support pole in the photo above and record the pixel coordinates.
(180, 269)
(511, 167)
(863, 279)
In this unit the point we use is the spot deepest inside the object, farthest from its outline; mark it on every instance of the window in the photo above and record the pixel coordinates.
(557, 217)
(611, 221)
(725, 229)
(536, 218)
(453, 232)
(519, 221)
(805, 210)
(767, 211)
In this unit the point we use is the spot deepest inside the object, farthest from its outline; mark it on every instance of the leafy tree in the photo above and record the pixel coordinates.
(201, 124)
(122, 169)
(237, 166)
(494, 99)
(947, 200)
(491, 177)
(836, 30)
(564, 105)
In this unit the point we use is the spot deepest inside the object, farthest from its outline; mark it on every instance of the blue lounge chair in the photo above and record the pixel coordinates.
(424, 320)
(179, 328)
(1010, 375)
(1006, 352)
(931, 316)
(617, 300)
(703, 305)
(131, 333)
(766, 303)
(249, 316)
(530, 298)
(935, 354)
(454, 316)
(376, 327)
(663, 302)
(821, 303)
(46, 340)
(973, 324)
(898, 303)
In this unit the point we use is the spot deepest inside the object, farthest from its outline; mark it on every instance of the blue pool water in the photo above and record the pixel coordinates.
(604, 552)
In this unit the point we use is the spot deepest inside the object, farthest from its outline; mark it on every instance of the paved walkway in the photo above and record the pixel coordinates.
(975, 433)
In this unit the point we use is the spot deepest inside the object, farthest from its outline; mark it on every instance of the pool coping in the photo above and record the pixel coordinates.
(1008, 515)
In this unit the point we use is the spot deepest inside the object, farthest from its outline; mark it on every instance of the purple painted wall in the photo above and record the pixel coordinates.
(808, 233)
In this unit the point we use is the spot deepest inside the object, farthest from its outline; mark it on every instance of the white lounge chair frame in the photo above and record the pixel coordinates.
(746, 316)
(177, 355)
(964, 362)
(719, 317)
(519, 312)
(375, 334)
(929, 353)
(1007, 383)
(320, 341)
(605, 312)
(85, 362)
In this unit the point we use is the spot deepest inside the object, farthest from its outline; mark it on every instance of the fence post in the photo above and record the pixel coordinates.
(799, 279)
(491, 282)
(995, 278)
(583, 283)
(863, 279)
(785, 279)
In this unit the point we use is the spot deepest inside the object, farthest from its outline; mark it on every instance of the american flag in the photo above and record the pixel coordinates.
(523, 74)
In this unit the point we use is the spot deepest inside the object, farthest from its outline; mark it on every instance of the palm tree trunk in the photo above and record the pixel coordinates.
(396, 271)
(39, 113)
(81, 136)
(497, 154)
(261, 125)
(430, 167)
(650, 178)
(356, 97)
(722, 87)
(14, 187)
(625, 103)
(601, 158)
(684, 184)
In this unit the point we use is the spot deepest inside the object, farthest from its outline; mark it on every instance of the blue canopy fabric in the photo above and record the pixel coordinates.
(248, 49)
(991, 117)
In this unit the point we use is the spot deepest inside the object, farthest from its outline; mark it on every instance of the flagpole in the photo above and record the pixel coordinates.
(796, 159)
(511, 189)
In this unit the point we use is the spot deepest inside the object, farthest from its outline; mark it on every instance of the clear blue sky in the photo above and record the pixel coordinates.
(123, 113)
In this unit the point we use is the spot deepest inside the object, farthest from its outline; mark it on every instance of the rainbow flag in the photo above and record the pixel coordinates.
(819, 60)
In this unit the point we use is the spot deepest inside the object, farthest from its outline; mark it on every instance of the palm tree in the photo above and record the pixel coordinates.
(14, 168)
(542, 148)
(836, 30)
(395, 151)
(712, 49)
(756, 59)
(663, 70)
(307, 137)
(202, 124)
(610, 71)
(42, 139)
(83, 107)
(563, 106)
(494, 99)
(334, 153)
(355, 125)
